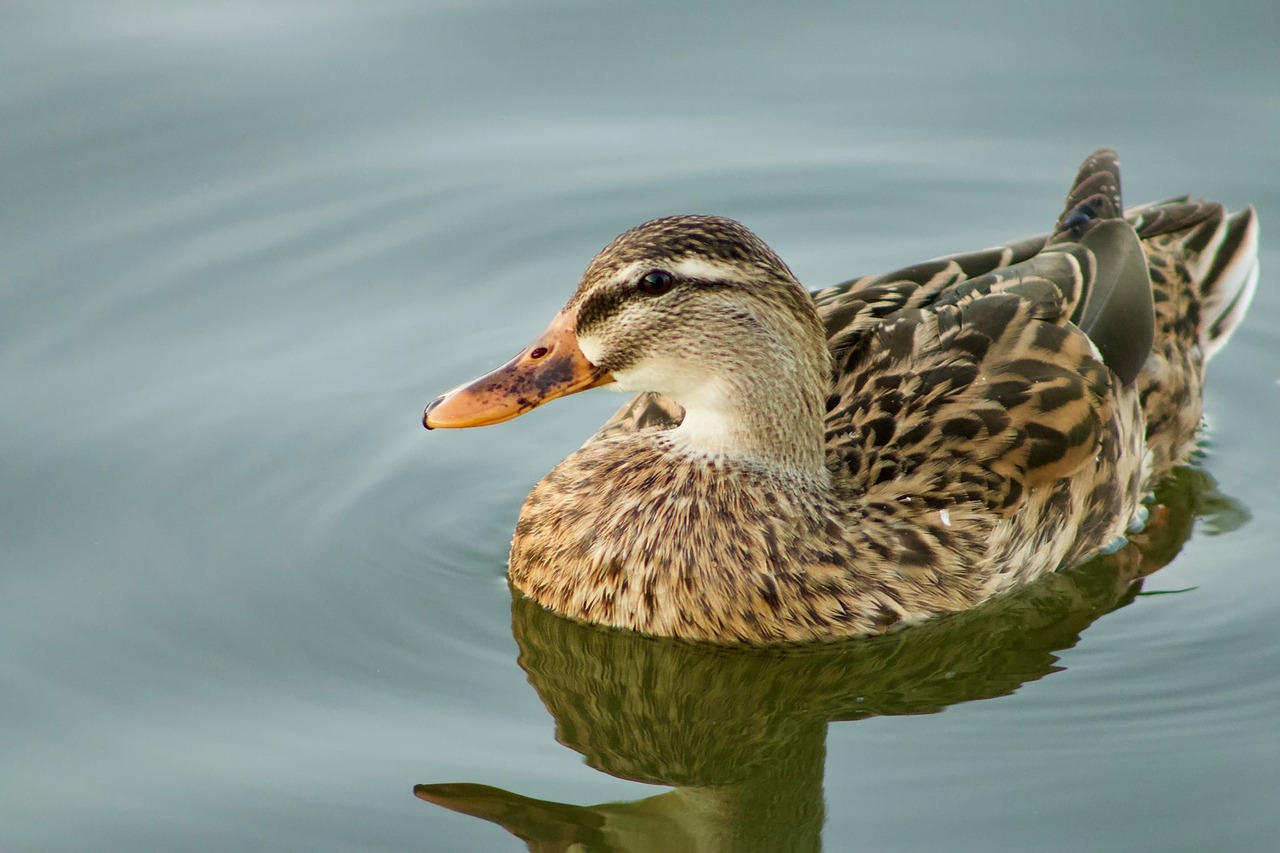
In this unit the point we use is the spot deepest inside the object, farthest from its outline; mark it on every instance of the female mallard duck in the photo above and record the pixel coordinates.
(883, 451)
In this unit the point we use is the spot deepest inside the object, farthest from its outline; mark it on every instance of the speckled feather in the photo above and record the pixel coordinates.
(974, 435)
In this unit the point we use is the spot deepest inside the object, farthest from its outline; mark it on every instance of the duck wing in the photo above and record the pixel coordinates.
(979, 387)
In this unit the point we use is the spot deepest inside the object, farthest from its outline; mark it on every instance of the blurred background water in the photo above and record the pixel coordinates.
(247, 603)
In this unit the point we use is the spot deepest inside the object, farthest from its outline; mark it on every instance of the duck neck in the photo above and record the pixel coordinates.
(769, 416)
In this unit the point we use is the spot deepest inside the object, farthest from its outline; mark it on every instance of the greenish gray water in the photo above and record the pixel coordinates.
(248, 603)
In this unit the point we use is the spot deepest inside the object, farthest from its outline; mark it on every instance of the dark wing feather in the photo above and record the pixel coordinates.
(1118, 314)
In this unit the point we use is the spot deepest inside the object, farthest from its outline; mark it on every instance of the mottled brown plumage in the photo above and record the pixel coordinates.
(876, 453)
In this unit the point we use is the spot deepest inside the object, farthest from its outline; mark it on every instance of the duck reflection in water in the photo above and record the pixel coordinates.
(741, 733)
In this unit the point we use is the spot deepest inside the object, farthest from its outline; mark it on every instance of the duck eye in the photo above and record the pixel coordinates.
(656, 282)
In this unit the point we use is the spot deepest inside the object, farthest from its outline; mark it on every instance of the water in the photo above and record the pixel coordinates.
(249, 603)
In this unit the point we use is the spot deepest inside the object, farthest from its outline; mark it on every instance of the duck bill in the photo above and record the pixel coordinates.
(550, 367)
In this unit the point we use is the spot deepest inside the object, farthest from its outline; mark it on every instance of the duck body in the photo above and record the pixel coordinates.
(803, 466)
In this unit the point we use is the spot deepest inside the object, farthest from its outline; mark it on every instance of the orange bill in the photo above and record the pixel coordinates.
(552, 366)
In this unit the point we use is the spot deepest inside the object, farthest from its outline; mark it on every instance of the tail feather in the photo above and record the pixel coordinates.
(1172, 215)
(1229, 280)
(1219, 254)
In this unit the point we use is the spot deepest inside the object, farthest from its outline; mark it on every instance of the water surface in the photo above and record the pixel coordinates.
(249, 603)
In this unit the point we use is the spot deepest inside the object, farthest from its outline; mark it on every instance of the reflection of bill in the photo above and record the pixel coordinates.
(741, 733)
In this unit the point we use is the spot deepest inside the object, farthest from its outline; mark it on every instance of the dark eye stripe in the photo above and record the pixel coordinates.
(599, 305)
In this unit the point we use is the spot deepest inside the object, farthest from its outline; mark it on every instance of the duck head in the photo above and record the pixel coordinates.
(694, 307)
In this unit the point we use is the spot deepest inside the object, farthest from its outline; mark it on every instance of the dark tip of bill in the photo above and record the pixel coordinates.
(426, 413)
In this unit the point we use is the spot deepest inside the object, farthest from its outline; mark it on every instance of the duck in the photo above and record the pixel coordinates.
(801, 466)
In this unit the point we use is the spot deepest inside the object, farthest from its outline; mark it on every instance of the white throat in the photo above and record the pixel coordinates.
(710, 427)
(744, 416)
